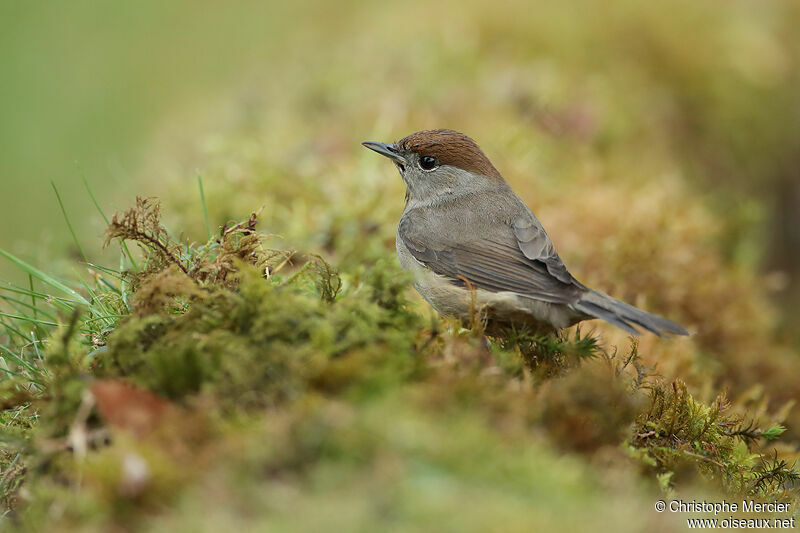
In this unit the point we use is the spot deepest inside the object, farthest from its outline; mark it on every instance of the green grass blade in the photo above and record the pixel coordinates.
(6, 370)
(107, 221)
(102, 280)
(12, 287)
(110, 286)
(18, 360)
(98, 307)
(16, 302)
(35, 272)
(33, 298)
(69, 225)
(11, 329)
(96, 304)
(35, 343)
(28, 319)
(205, 209)
(109, 317)
(63, 304)
(110, 271)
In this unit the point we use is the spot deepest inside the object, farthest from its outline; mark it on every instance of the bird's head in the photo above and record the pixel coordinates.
(439, 164)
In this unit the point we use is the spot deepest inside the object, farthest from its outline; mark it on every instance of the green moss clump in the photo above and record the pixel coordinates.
(679, 436)
(264, 342)
(247, 375)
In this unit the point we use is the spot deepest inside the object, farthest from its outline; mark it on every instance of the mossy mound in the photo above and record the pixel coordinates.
(259, 389)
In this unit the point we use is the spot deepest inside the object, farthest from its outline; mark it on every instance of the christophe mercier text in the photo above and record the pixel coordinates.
(747, 506)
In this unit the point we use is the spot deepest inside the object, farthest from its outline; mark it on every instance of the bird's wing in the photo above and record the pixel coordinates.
(495, 266)
(535, 244)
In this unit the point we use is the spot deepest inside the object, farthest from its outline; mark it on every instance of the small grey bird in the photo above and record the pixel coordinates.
(463, 230)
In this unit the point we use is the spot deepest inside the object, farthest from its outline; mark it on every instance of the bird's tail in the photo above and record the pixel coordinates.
(622, 315)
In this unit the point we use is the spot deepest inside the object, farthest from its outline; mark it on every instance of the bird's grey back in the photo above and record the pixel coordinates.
(473, 238)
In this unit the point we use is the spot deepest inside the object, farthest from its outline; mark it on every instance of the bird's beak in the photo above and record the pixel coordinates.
(386, 149)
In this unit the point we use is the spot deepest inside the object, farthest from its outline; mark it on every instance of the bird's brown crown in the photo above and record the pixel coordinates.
(450, 148)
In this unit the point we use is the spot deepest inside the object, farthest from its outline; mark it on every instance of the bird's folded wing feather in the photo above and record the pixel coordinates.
(528, 266)
(535, 244)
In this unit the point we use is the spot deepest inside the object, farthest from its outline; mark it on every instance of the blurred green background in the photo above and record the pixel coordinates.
(128, 94)
(85, 85)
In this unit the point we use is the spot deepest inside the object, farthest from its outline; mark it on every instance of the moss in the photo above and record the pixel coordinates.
(551, 355)
(239, 372)
(591, 407)
(678, 434)
(266, 341)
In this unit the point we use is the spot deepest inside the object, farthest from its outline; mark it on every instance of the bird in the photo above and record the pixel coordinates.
(470, 241)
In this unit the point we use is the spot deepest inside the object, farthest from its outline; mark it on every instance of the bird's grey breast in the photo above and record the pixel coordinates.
(425, 232)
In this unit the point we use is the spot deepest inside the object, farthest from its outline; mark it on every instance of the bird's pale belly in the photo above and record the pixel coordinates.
(502, 308)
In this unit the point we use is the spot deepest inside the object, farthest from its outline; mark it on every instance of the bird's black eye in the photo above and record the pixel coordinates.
(427, 162)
